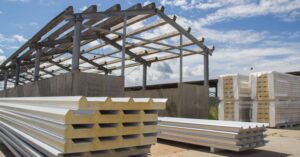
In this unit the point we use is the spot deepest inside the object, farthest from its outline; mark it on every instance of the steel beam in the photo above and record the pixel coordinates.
(144, 76)
(25, 78)
(108, 24)
(76, 43)
(37, 64)
(124, 45)
(5, 79)
(100, 67)
(59, 18)
(138, 38)
(182, 30)
(180, 59)
(59, 65)
(47, 72)
(149, 47)
(206, 70)
(114, 13)
(128, 52)
(17, 74)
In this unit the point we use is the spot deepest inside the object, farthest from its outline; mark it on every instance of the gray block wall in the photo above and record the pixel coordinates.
(70, 84)
(187, 100)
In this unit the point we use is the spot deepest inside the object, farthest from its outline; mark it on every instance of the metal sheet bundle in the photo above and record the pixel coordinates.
(66, 125)
(234, 93)
(235, 136)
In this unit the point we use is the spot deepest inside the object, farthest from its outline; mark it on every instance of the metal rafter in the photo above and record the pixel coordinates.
(101, 25)
(128, 52)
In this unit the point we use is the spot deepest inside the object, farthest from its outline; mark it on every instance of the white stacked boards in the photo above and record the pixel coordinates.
(60, 126)
(234, 94)
(227, 135)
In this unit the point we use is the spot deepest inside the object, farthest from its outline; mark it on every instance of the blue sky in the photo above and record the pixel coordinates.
(262, 34)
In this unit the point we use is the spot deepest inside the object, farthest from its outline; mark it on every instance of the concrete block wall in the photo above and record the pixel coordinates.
(70, 84)
(187, 100)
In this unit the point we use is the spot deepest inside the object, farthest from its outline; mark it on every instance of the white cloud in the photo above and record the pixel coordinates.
(34, 24)
(240, 60)
(286, 10)
(23, 1)
(146, 3)
(2, 59)
(291, 17)
(251, 9)
(1, 51)
(230, 36)
(8, 43)
(19, 38)
(83, 8)
(197, 4)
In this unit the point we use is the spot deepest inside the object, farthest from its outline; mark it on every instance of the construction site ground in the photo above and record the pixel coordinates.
(282, 143)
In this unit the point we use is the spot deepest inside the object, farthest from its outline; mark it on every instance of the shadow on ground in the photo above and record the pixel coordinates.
(5, 151)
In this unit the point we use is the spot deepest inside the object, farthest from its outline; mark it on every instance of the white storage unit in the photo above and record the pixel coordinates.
(276, 113)
(229, 135)
(274, 86)
(234, 93)
(235, 110)
(234, 87)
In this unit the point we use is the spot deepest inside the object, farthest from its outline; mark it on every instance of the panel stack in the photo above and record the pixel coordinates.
(228, 135)
(79, 126)
(276, 98)
(234, 93)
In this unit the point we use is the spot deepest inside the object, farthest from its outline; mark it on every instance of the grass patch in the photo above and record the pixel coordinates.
(213, 112)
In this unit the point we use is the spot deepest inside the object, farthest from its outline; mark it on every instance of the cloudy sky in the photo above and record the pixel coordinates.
(259, 34)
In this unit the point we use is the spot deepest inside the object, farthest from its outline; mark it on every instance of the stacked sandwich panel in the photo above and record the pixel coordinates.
(234, 93)
(235, 111)
(276, 98)
(79, 126)
(228, 135)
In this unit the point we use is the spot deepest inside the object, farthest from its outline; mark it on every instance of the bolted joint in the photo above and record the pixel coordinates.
(77, 17)
(35, 45)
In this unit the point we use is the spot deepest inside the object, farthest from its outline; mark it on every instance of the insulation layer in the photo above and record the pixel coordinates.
(274, 86)
(276, 113)
(83, 124)
(234, 87)
(229, 135)
(235, 110)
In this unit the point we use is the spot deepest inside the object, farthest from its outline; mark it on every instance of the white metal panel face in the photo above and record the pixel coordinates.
(230, 135)
(83, 125)
(234, 87)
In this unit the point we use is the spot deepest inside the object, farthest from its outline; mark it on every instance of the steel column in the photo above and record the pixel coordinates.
(5, 79)
(124, 46)
(144, 76)
(76, 43)
(37, 64)
(180, 60)
(206, 69)
(17, 73)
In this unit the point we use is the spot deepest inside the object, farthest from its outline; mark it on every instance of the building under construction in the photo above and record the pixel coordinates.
(64, 90)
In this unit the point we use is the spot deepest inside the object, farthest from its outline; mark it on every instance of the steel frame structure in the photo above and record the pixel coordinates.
(69, 32)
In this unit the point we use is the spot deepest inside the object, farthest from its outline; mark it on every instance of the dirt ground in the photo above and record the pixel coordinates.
(282, 143)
